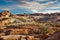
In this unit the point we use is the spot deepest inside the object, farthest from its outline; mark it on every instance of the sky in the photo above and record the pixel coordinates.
(30, 6)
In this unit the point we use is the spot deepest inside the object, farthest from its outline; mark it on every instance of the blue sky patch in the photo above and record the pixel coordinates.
(30, 6)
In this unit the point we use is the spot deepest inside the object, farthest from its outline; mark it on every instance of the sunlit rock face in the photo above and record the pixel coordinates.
(6, 13)
(4, 18)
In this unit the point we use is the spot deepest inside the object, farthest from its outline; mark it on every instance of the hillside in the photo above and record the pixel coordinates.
(36, 26)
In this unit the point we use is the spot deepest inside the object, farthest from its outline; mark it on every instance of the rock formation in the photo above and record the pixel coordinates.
(55, 36)
(4, 18)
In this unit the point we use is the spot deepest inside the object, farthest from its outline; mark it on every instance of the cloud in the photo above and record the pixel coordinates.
(51, 11)
(15, 0)
(34, 5)
(5, 9)
(39, 0)
(2, 8)
(50, 2)
(34, 11)
(52, 8)
(8, 7)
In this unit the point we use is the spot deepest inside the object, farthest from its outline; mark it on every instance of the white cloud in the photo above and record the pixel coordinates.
(50, 8)
(5, 8)
(10, 7)
(39, 0)
(35, 11)
(34, 6)
(50, 2)
(50, 11)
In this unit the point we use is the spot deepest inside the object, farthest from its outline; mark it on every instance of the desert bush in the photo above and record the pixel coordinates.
(45, 30)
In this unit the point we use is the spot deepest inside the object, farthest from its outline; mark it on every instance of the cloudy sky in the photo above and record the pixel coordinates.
(30, 6)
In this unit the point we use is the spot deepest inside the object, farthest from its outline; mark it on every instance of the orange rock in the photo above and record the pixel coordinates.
(6, 13)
